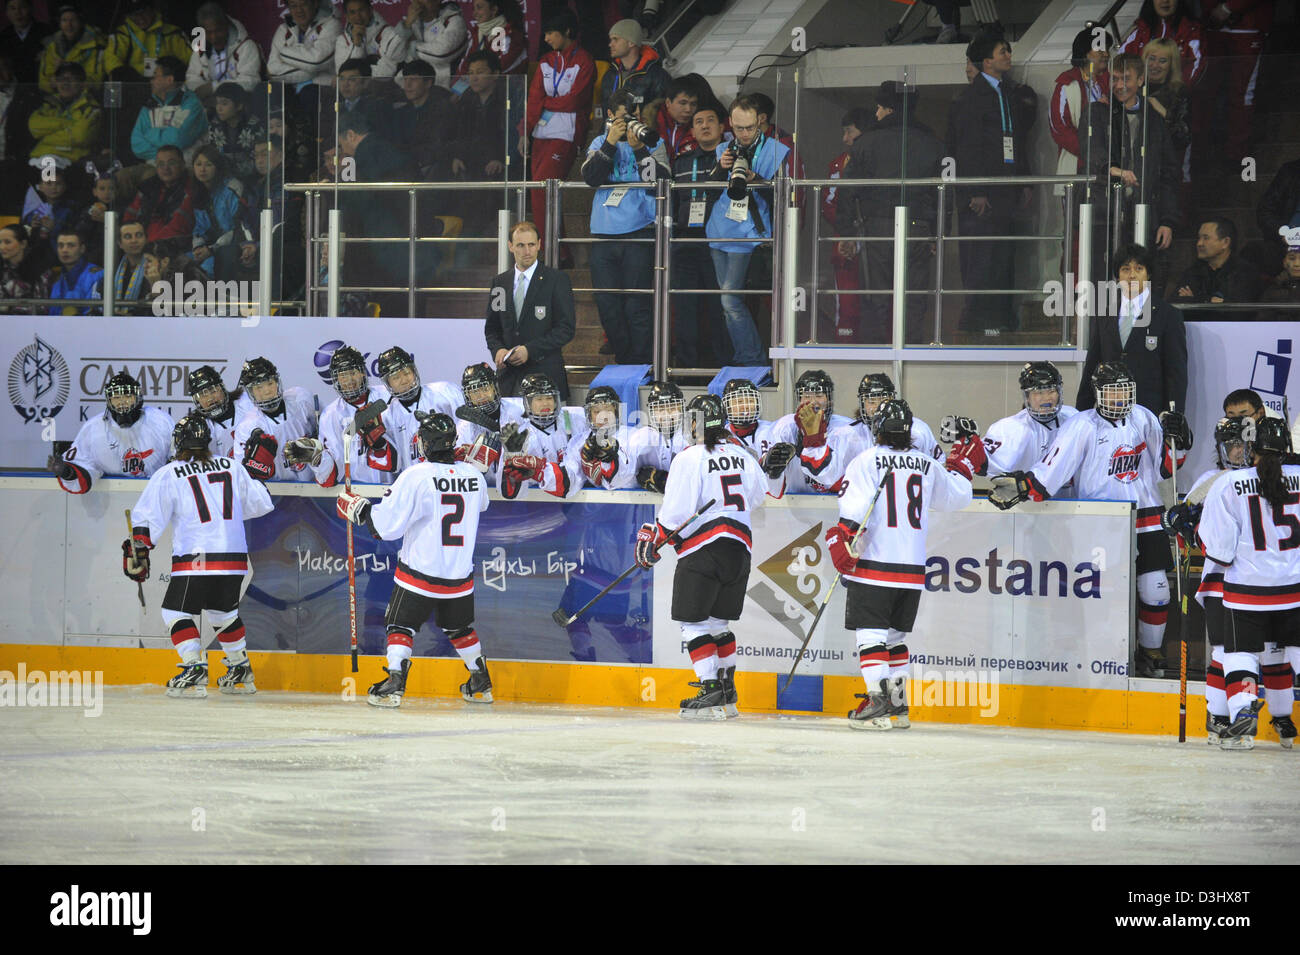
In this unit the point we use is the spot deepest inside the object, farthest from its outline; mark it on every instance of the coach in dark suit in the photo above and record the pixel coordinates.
(1151, 342)
(530, 317)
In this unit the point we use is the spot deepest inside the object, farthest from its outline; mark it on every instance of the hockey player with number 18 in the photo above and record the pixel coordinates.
(434, 507)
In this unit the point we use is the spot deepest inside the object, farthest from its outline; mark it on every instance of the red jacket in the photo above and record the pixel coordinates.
(563, 83)
(1191, 44)
(677, 138)
(166, 212)
(513, 55)
(1061, 121)
(1248, 16)
(834, 171)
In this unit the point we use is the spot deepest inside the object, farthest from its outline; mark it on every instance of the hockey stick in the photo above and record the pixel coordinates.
(1182, 605)
(559, 616)
(139, 587)
(349, 432)
(830, 589)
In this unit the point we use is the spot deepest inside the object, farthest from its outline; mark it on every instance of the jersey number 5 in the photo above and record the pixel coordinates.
(449, 521)
(729, 483)
(227, 495)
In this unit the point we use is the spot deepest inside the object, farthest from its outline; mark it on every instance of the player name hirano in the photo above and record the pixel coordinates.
(202, 467)
(904, 462)
(1251, 485)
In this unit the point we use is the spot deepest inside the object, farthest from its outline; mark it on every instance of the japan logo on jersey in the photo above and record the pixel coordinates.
(1124, 462)
(133, 461)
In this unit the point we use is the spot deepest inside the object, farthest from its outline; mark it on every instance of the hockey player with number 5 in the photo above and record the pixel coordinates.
(713, 552)
(885, 576)
(434, 507)
(1116, 451)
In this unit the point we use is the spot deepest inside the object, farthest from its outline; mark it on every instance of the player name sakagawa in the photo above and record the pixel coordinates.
(176, 297)
(83, 688)
(77, 908)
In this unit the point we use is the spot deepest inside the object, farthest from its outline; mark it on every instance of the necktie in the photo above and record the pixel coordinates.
(521, 289)
(1126, 323)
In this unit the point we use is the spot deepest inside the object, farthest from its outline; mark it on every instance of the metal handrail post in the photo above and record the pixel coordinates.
(551, 241)
(410, 260)
(1141, 216)
(900, 286)
(815, 266)
(332, 278)
(110, 261)
(789, 274)
(940, 219)
(1067, 279)
(659, 309)
(1116, 232)
(1084, 271)
(503, 240)
(310, 224)
(266, 281)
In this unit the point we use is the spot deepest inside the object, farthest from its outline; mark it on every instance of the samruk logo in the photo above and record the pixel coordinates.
(38, 382)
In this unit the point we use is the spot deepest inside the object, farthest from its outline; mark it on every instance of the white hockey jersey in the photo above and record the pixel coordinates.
(222, 442)
(366, 469)
(1259, 545)
(208, 501)
(1109, 461)
(727, 475)
(435, 509)
(436, 397)
(1018, 442)
(646, 447)
(102, 448)
(824, 468)
(297, 420)
(1211, 586)
(563, 477)
(894, 552)
(786, 429)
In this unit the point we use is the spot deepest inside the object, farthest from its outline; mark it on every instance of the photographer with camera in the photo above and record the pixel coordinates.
(627, 151)
(742, 212)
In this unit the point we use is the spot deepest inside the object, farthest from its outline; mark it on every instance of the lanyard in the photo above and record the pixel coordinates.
(559, 74)
(157, 42)
(1003, 109)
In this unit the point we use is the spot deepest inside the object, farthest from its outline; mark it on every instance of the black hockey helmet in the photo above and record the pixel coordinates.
(1231, 443)
(1040, 376)
(192, 433)
(815, 382)
(258, 371)
(537, 386)
(124, 399)
(474, 380)
(875, 387)
(1116, 390)
(892, 423)
(664, 406)
(204, 382)
(742, 401)
(1271, 436)
(437, 436)
(392, 361)
(705, 414)
(600, 399)
(345, 359)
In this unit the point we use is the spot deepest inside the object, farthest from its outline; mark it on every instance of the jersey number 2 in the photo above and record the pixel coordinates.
(449, 521)
(227, 496)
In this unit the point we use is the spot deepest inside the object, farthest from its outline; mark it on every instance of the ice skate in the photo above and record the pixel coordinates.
(709, 704)
(727, 677)
(874, 711)
(1214, 727)
(897, 697)
(238, 678)
(389, 692)
(478, 688)
(1285, 730)
(192, 678)
(1240, 733)
(1149, 663)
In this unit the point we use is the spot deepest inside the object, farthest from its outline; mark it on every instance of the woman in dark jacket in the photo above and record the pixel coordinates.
(22, 274)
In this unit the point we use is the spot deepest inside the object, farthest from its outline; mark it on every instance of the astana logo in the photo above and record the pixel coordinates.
(38, 382)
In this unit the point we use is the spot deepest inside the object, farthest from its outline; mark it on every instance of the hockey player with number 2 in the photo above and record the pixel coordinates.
(434, 507)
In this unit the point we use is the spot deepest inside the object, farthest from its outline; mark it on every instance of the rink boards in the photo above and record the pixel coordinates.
(1026, 618)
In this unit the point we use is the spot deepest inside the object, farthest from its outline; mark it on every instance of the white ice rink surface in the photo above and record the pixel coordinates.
(298, 778)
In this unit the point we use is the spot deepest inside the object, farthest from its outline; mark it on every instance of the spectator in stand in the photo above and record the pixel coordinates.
(229, 54)
(498, 27)
(302, 51)
(1284, 288)
(22, 271)
(559, 103)
(129, 286)
(1146, 334)
(222, 222)
(234, 130)
(419, 125)
(74, 277)
(366, 36)
(437, 35)
(1087, 81)
(845, 264)
(692, 263)
(91, 221)
(1169, 96)
(355, 89)
(51, 205)
(673, 116)
(143, 39)
(68, 124)
(736, 218)
(1219, 274)
(988, 138)
(266, 191)
(166, 202)
(1235, 31)
(172, 117)
(1169, 20)
(73, 42)
(636, 70)
(167, 270)
(22, 39)
(1279, 207)
(619, 217)
(482, 131)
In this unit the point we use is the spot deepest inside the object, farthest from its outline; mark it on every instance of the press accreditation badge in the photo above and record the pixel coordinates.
(616, 196)
(1008, 149)
(695, 215)
(738, 209)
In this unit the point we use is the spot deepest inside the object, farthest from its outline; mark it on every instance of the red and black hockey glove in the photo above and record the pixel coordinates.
(60, 468)
(482, 455)
(778, 458)
(839, 539)
(968, 457)
(370, 426)
(599, 461)
(811, 421)
(259, 455)
(517, 469)
(1010, 489)
(135, 561)
(648, 541)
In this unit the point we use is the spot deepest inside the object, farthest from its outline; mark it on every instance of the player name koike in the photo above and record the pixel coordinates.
(466, 485)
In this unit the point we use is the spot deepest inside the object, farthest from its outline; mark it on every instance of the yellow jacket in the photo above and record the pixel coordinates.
(68, 130)
(140, 49)
(87, 51)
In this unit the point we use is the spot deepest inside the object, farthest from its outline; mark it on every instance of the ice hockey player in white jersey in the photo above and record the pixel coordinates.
(1018, 442)
(598, 456)
(434, 507)
(889, 491)
(1116, 451)
(543, 441)
(743, 403)
(1250, 525)
(828, 448)
(813, 390)
(276, 416)
(129, 439)
(482, 419)
(397, 371)
(214, 402)
(713, 550)
(652, 447)
(374, 459)
(205, 498)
